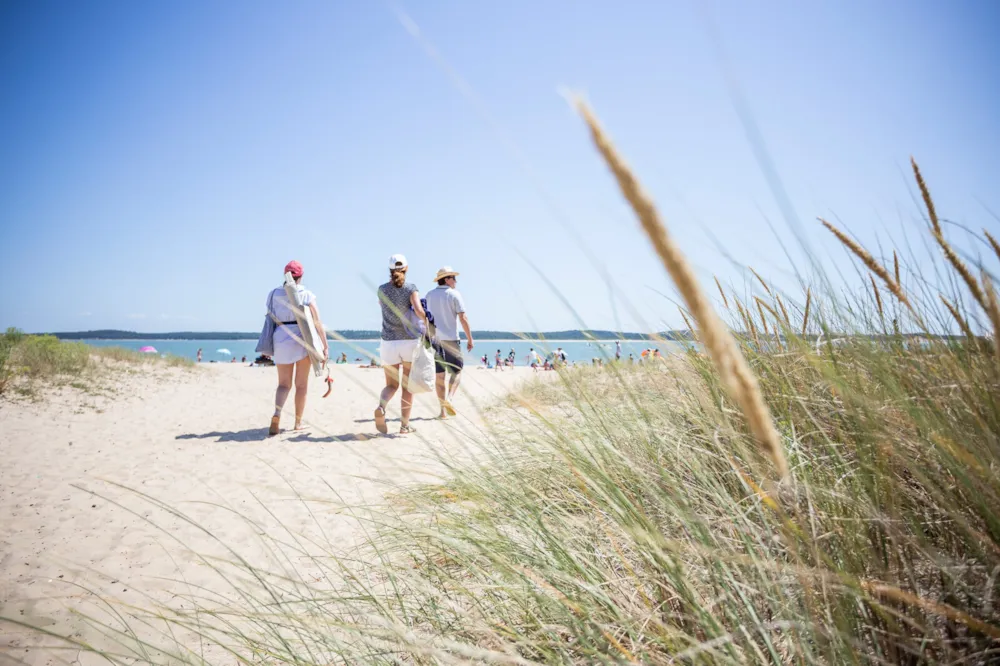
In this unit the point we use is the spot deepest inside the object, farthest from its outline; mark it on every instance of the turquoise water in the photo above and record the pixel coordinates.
(363, 350)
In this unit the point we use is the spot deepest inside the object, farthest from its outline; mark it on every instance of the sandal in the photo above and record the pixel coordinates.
(274, 429)
(449, 408)
(406, 429)
(380, 420)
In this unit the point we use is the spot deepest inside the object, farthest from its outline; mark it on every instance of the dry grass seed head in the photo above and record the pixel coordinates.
(878, 299)
(895, 267)
(729, 362)
(963, 270)
(761, 280)
(949, 253)
(722, 293)
(869, 261)
(805, 314)
(993, 243)
(763, 319)
(925, 193)
(993, 310)
(962, 323)
(784, 312)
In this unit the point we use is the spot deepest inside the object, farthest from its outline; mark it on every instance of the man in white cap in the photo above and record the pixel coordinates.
(448, 308)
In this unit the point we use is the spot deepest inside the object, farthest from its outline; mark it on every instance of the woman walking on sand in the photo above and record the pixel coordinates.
(399, 340)
(289, 353)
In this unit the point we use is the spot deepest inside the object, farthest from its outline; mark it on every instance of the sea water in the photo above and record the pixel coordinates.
(361, 351)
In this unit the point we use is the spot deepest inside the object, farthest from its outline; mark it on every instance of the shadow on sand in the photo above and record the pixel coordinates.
(348, 437)
(254, 435)
(395, 420)
(260, 435)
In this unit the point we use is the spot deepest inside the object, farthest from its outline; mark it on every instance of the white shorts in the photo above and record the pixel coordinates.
(394, 352)
(287, 349)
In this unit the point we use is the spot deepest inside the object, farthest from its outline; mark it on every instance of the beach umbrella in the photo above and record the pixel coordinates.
(147, 350)
(223, 351)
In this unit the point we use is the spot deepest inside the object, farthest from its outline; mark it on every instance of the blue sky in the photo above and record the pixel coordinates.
(160, 162)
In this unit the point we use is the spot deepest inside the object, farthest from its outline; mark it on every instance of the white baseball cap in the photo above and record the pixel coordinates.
(397, 261)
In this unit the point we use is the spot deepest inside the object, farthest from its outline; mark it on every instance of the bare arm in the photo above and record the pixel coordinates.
(464, 321)
(417, 307)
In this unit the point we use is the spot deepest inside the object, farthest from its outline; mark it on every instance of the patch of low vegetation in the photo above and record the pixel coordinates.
(27, 361)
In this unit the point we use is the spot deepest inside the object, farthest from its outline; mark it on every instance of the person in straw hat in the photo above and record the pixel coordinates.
(448, 308)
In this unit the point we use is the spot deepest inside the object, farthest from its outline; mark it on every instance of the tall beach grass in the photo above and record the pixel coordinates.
(817, 483)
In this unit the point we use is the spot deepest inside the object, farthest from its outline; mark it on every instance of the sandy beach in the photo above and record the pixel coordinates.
(76, 468)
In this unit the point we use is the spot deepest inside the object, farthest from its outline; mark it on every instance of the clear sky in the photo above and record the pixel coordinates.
(161, 162)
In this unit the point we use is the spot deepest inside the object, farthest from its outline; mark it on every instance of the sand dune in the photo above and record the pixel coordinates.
(196, 441)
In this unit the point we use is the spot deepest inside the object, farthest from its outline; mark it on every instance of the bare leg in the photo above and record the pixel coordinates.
(302, 370)
(281, 395)
(439, 387)
(407, 403)
(391, 384)
(456, 379)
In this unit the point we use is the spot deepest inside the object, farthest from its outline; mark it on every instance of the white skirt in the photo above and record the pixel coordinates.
(288, 349)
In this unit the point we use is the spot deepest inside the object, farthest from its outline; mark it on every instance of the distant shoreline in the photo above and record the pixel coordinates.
(476, 340)
(357, 335)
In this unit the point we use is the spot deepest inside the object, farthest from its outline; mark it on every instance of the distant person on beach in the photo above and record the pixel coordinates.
(618, 350)
(533, 359)
(244, 360)
(289, 354)
(631, 359)
(560, 357)
(199, 355)
(399, 341)
(447, 307)
(499, 362)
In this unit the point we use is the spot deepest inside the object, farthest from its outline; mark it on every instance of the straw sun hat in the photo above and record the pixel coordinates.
(445, 272)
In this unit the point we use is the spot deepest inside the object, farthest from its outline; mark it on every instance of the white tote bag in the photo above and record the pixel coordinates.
(422, 370)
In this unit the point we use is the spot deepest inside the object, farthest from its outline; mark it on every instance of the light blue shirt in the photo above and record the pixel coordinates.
(282, 310)
(445, 304)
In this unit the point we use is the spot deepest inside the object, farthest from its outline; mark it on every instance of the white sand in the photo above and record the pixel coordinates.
(189, 438)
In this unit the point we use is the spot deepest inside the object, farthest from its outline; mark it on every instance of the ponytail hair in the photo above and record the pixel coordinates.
(398, 277)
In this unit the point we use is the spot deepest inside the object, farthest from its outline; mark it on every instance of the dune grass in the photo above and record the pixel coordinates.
(30, 360)
(848, 511)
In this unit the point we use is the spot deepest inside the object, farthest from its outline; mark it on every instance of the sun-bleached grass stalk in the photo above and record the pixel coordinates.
(763, 319)
(722, 293)
(765, 306)
(993, 310)
(687, 322)
(946, 248)
(926, 194)
(962, 270)
(878, 298)
(729, 362)
(895, 268)
(993, 243)
(869, 261)
(805, 313)
(761, 280)
(962, 323)
(784, 312)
